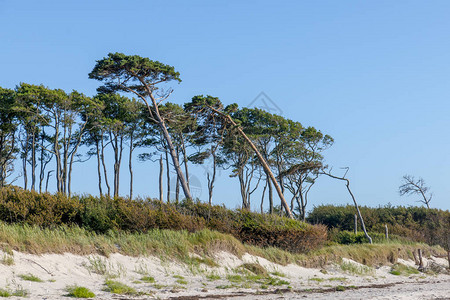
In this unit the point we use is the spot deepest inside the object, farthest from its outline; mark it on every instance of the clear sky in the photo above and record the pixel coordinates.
(375, 75)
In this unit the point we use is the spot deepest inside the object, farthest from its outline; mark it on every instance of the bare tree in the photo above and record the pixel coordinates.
(411, 186)
(347, 184)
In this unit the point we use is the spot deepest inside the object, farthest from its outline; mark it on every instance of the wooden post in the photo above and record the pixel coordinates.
(420, 260)
(448, 257)
(416, 260)
(356, 224)
(386, 231)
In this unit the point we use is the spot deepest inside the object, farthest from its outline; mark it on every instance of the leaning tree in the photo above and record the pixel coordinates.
(211, 105)
(142, 77)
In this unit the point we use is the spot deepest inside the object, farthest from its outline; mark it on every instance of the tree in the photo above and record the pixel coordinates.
(411, 186)
(303, 159)
(207, 138)
(142, 77)
(347, 184)
(8, 127)
(212, 105)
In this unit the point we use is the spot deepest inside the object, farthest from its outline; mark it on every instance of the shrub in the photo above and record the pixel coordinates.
(116, 287)
(79, 292)
(109, 215)
(419, 224)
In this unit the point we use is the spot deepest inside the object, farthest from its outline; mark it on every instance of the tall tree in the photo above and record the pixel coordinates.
(303, 160)
(8, 127)
(212, 105)
(207, 139)
(141, 76)
(115, 114)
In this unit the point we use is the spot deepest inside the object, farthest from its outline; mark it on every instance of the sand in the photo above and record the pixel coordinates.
(174, 280)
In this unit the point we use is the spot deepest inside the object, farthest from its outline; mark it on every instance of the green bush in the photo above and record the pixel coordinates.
(79, 292)
(419, 224)
(106, 215)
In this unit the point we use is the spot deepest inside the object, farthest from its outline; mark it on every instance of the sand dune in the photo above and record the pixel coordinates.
(174, 280)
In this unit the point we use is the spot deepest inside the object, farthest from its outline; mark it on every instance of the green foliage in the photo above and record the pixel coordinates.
(356, 269)
(79, 292)
(348, 237)
(117, 287)
(30, 277)
(255, 268)
(419, 224)
(148, 279)
(20, 206)
(259, 230)
(109, 215)
(401, 269)
(117, 69)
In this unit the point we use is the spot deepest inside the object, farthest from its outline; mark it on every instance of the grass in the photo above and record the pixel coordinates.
(235, 278)
(181, 281)
(400, 269)
(79, 292)
(355, 269)
(7, 260)
(120, 288)
(20, 292)
(30, 277)
(255, 268)
(337, 279)
(181, 244)
(97, 265)
(277, 273)
(212, 277)
(148, 279)
(316, 279)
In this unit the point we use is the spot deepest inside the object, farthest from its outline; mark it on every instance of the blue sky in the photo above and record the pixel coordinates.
(372, 74)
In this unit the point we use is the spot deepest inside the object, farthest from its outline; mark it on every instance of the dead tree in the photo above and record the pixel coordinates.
(347, 184)
(411, 186)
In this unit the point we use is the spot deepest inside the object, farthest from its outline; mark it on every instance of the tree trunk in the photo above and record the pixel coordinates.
(24, 162)
(104, 168)
(177, 184)
(167, 138)
(42, 168)
(185, 160)
(243, 188)
(130, 165)
(99, 171)
(354, 201)
(161, 171)
(262, 197)
(48, 177)
(168, 176)
(270, 197)
(213, 178)
(33, 161)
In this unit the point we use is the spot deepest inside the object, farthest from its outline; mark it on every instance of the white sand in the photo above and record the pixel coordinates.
(60, 271)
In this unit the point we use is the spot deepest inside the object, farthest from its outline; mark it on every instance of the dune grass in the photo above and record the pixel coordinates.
(79, 292)
(30, 277)
(181, 244)
(119, 288)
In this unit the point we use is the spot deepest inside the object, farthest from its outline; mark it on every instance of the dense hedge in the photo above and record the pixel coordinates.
(105, 214)
(431, 226)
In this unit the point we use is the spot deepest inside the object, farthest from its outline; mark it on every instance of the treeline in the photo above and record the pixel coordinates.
(45, 132)
(431, 226)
